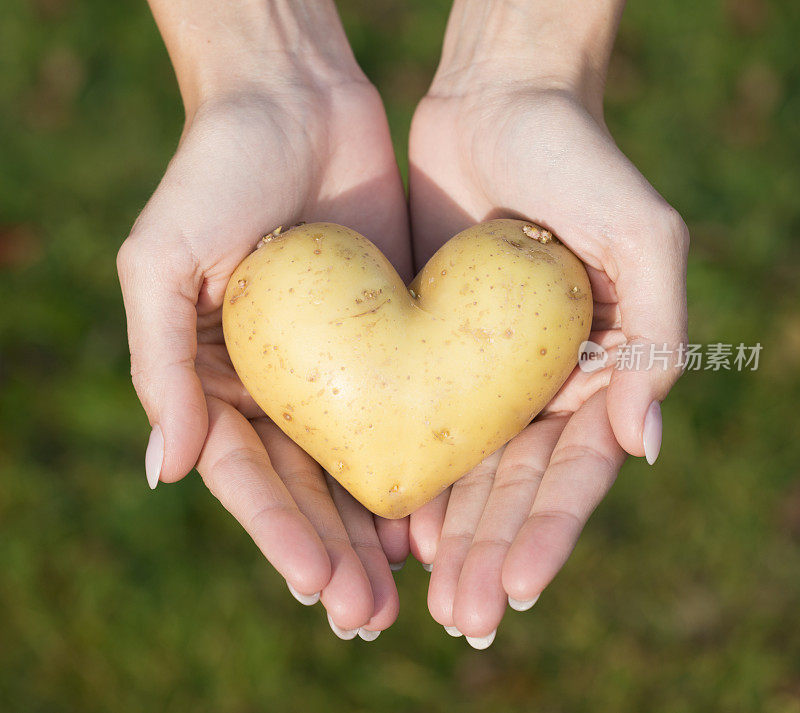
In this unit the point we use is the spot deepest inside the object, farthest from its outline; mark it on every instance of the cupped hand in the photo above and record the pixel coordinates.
(247, 162)
(499, 149)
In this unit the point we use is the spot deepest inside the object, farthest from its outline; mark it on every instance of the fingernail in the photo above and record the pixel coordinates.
(345, 634)
(368, 634)
(306, 599)
(427, 567)
(154, 456)
(453, 631)
(481, 642)
(397, 566)
(522, 604)
(651, 434)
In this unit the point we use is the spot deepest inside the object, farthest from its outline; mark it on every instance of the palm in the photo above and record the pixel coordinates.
(547, 160)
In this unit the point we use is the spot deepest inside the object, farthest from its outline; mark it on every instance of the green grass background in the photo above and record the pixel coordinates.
(682, 595)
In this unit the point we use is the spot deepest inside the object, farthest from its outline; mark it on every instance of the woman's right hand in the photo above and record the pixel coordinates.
(306, 143)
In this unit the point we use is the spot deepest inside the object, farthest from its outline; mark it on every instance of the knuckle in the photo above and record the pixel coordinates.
(478, 476)
(263, 514)
(517, 474)
(559, 519)
(492, 542)
(136, 252)
(126, 258)
(138, 378)
(243, 461)
(658, 224)
(143, 384)
(671, 224)
(147, 250)
(361, 544)
(308, 488)
(458, 536)
(581, 454)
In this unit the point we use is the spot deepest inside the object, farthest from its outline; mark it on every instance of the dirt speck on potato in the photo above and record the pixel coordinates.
(538, 233)
(269, 237)
(239, 291)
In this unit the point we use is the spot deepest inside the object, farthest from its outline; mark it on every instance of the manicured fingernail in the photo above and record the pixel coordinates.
(522, 604)
(345, 634)
(651, 435)
(453, 631)
(397, 566)
(481, 642)
(154, 456)
(368, 634)
(306, 599)
(427, 567)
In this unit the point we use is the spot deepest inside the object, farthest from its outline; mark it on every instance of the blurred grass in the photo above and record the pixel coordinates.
(682, 594)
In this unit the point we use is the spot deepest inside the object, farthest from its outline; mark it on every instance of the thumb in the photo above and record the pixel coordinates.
(651, 289)
(160, 285)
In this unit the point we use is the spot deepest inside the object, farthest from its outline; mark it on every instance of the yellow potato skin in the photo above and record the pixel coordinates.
(397, 392)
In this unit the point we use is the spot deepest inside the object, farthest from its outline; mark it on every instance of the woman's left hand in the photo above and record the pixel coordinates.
(501, 148)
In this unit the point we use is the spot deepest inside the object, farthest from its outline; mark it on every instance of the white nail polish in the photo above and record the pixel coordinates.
(453, 631)
(651, 433)
(396, 566)
(522, 604)
(305, 599)
(368, 634)
(154, 456)
(481, 642)
(345, 634)
(427, 567)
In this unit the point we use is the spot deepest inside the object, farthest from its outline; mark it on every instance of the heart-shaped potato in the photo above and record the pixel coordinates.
(397, 392)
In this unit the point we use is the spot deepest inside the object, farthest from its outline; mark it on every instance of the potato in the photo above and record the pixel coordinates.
(397, 392)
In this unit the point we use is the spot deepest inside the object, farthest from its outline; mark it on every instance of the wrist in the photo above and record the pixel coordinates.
(223, 49)
(540, 44)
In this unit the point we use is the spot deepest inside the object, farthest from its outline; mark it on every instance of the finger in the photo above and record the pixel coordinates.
(425, 528)
(393, 535)
(347, 596)
(467, 499)
(160, 287)
(587, 379)
(237, 470)
(219, 379)
(364, 540)
(480, 599)
(652, 296)
(582, 468)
